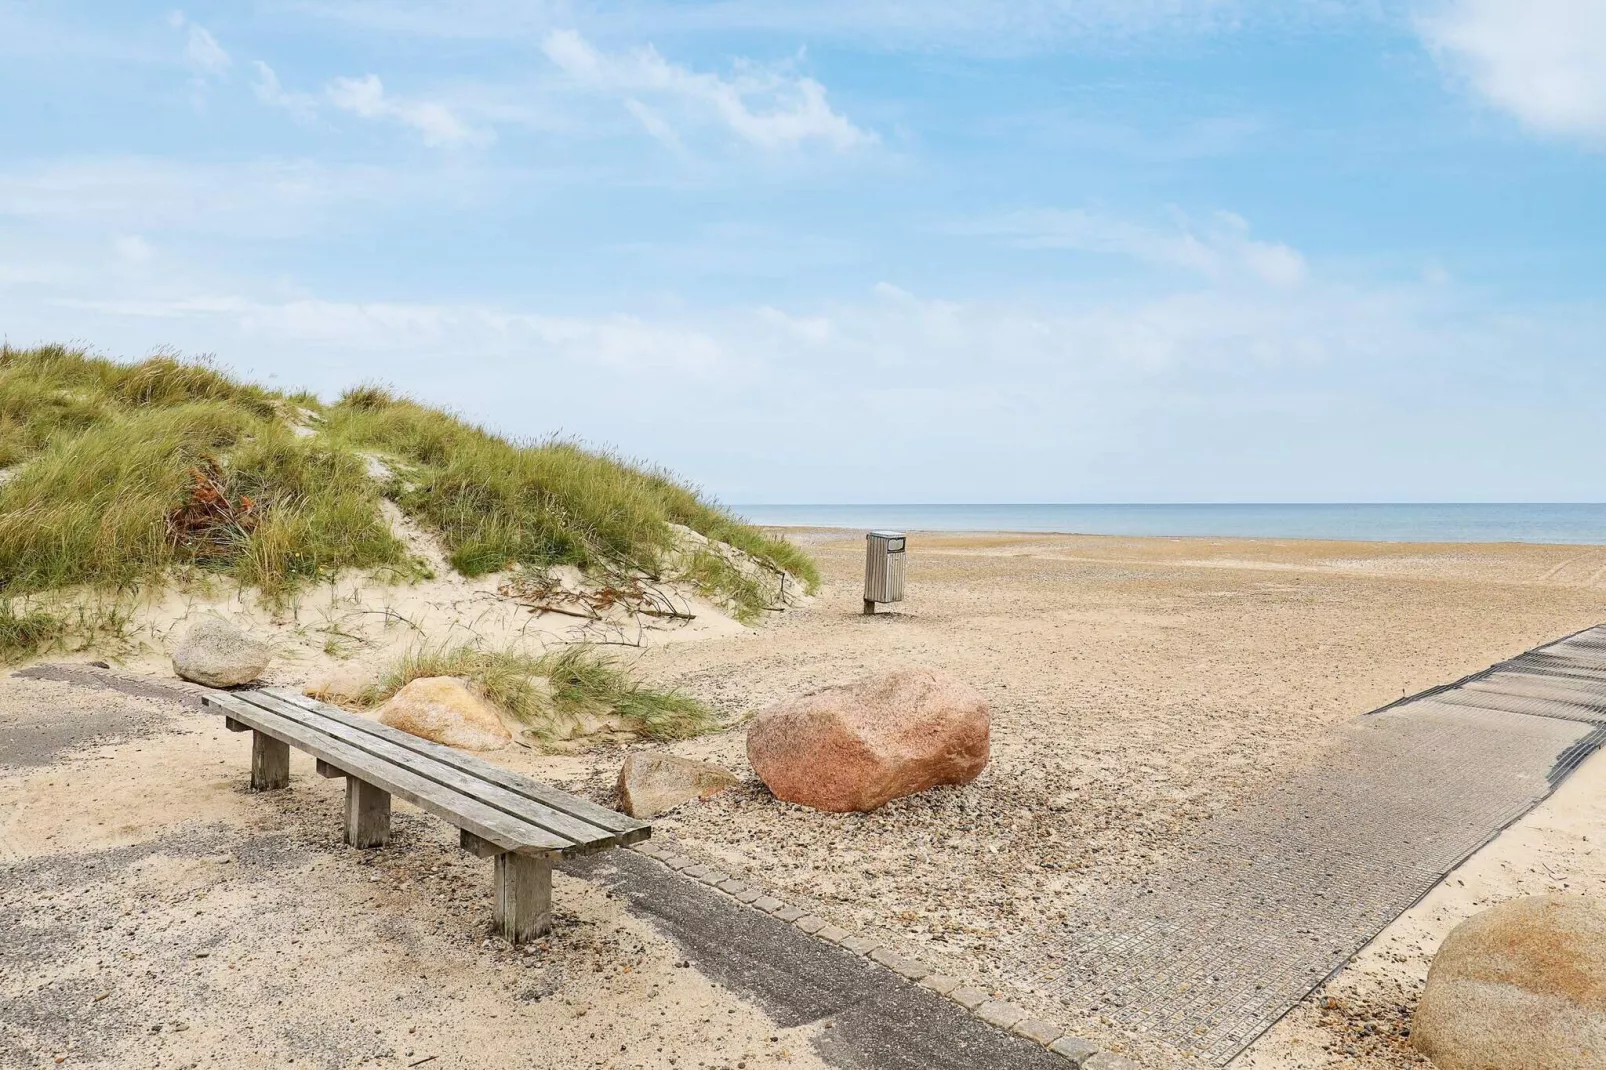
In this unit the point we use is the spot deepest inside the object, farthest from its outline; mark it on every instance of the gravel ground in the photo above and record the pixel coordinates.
(1137, 686)
(155, 914)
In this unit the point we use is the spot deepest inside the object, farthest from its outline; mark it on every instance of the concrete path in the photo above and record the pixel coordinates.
(1209, 952)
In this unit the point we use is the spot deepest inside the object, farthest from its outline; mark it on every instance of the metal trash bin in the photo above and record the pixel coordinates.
(885, 554)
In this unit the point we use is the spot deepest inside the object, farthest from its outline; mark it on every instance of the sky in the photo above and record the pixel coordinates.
(948, 251)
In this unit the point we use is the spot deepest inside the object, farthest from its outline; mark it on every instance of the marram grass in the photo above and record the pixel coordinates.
(553, 692)
(117, 474)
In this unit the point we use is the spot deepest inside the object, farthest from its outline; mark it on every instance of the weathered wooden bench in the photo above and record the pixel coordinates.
(520, 822)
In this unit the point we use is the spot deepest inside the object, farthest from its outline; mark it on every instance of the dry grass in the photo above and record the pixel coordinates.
(553, 692)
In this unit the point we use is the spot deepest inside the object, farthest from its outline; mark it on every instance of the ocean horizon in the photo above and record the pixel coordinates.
(1573, 523)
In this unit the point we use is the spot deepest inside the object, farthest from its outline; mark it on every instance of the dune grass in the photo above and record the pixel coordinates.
(497, 504)
(99, 507)
(119, 473)
(26, 631)
(552, 692)
(54, 390)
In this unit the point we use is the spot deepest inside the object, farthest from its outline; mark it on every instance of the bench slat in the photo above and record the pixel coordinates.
(583, 835)
(627, 828)
(483, 821)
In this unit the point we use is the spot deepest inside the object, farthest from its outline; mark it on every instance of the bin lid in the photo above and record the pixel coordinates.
(885, 535)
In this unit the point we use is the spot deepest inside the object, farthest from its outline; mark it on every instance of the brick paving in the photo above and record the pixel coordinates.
(1208, 952)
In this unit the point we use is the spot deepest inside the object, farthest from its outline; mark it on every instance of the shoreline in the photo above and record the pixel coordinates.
(837, 531)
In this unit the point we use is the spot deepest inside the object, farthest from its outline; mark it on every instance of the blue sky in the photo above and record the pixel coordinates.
(961, 250)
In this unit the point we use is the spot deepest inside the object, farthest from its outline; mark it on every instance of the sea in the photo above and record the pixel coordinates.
(1537, 522)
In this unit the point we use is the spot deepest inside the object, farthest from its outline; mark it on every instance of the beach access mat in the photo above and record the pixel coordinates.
(1270, 901)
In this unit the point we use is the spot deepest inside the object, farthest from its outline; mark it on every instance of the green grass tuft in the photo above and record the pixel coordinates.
(95, 508)
(497, 504)
(27, 631)
(553, 692)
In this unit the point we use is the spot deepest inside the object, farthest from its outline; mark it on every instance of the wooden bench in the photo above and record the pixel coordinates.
(520, 822)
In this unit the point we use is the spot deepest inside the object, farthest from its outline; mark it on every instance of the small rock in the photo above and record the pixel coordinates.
(446, 710)
(857, 747)
(215, 653)
(650, 784)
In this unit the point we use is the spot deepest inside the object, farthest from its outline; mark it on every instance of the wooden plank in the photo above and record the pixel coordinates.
(329, 772)
(235, 726)
(270, 762)
(484, 821)
(476, 846)
(628, 829)
(367, 814)
(523, 897)
(584, 835)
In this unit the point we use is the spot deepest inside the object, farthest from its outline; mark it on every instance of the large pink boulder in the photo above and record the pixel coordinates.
(859, 746)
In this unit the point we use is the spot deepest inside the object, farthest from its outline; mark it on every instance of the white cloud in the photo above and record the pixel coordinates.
(201, 48)
(653, 123)
(1008, 27)
(1217, 391)
(618, 343)
(268, 90)
(132, 248)
(766, 106)
(434, 122)
(133, 194)
(1221, 251)
(1544, 61)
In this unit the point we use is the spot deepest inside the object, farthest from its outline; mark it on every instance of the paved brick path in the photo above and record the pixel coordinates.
(1270, 901)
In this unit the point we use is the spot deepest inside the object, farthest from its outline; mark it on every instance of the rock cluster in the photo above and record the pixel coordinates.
(216, 653)
(1521, 986)
(859, 746)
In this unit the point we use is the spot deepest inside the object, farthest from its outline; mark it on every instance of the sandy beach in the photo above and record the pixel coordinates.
(1137, 687)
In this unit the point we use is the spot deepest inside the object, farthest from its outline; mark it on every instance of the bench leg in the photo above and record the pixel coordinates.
(270, 762)
(367, 814)
(523, 897)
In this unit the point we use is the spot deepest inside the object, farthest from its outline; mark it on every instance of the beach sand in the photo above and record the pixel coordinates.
(154, 913)
(1137, 687)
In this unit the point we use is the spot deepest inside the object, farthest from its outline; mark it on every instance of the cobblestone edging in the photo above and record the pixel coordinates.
(1079, 1053)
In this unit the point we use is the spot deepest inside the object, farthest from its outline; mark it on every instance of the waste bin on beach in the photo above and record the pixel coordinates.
(885, 553)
